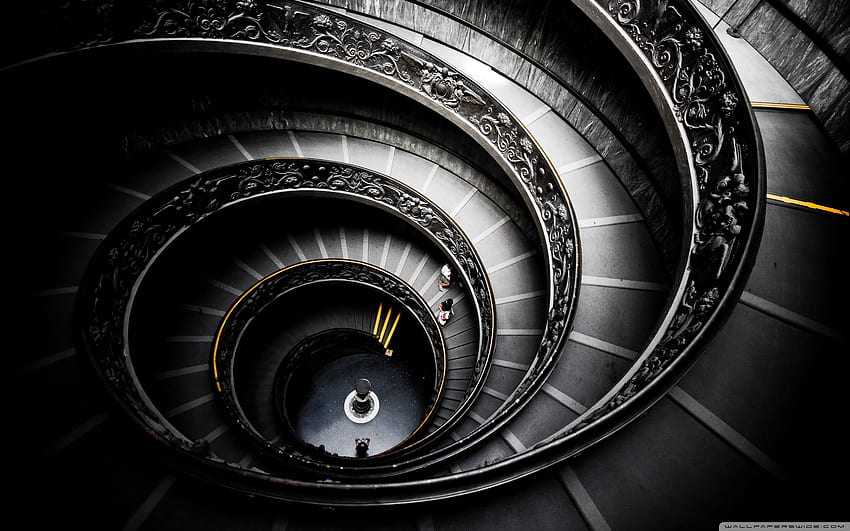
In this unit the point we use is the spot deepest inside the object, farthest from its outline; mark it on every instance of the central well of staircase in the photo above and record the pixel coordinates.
(353, 379)
(327, 405)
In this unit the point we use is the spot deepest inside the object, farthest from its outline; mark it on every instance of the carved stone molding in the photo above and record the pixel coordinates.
(106, 297)
(710, 104)
(304, 28)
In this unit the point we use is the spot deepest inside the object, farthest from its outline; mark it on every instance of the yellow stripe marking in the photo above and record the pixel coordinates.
(807, 204)
(769, 105)
(392, 330)
(386, 321)
(377, 320)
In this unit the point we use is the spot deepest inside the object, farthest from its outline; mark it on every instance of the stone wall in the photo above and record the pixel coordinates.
(555, 52)
(808, 42)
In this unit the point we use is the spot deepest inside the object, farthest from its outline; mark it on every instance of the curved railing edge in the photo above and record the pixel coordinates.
(393, 287)
(492, 125)
(692, 321)
(106, 296)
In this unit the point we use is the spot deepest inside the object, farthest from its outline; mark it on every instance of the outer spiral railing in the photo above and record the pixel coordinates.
(697, 92)
(303, 32)
(117, 271)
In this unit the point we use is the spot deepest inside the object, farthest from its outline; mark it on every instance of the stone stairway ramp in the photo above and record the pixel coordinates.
(624, 282)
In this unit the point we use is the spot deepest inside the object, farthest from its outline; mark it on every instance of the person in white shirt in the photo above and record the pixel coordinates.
(446, 310)
(445, 277)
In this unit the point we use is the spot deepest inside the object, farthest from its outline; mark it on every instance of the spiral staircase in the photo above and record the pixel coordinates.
(232, 211)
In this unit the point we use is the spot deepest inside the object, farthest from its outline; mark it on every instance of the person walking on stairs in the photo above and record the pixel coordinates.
(445, 311)
(445, 281)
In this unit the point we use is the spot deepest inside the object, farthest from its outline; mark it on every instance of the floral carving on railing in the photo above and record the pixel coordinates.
(277, 24)
(131, 248)
(242, 19)
(708, 107)
(301, 27)
(706, 103)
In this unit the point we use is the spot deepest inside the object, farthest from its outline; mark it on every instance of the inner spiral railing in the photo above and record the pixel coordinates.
(117, 271)
(303, 32)
(301, 276)
(715, 139)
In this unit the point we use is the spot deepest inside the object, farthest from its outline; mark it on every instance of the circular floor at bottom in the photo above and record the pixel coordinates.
(321, 419)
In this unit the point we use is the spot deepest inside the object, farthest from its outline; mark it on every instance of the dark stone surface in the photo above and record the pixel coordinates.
(801, 161)
(320, 418)
(802, 264)
(666, 455)
(188, 504)
(829, 19)
(718, 6)
(42, 326)
(539, 503)
(577, 363)
(740, 11)
(793, 54)
(542, 417)
(807, 42)
(560, 38)
(60, 260)
(623, 317)
(612, 242)
(762, 377)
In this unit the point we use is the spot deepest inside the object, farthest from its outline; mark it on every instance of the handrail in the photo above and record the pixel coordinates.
(721, 145)
(119, 267)
(305, 33)
(715, 139)
(299, 276)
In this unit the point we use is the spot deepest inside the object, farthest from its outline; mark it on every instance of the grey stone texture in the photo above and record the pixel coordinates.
(614, 113)
(807, 42)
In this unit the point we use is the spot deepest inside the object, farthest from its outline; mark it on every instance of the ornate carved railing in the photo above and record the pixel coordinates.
(699, 92)
(305, 33)
(118, 269)
(714, 136)
(299, 277)
(718, 147)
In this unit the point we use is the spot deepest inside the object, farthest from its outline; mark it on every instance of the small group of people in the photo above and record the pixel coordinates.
(445, 309)
(361, 446)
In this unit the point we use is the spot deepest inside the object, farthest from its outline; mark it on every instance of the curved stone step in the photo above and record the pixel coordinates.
(518, 309)
(519, 315)
(498, 239)
(640, 479)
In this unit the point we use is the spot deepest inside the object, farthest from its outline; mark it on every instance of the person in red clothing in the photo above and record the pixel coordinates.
(446, 310)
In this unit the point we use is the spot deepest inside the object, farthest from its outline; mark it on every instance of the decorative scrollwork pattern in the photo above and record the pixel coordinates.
(307, 28)
(131, 248)
(706, 103)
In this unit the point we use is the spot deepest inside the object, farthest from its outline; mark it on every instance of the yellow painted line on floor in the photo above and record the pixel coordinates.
(769, 105)
(377, 320)
(392, 331)
(386, 321)
(807, 204)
